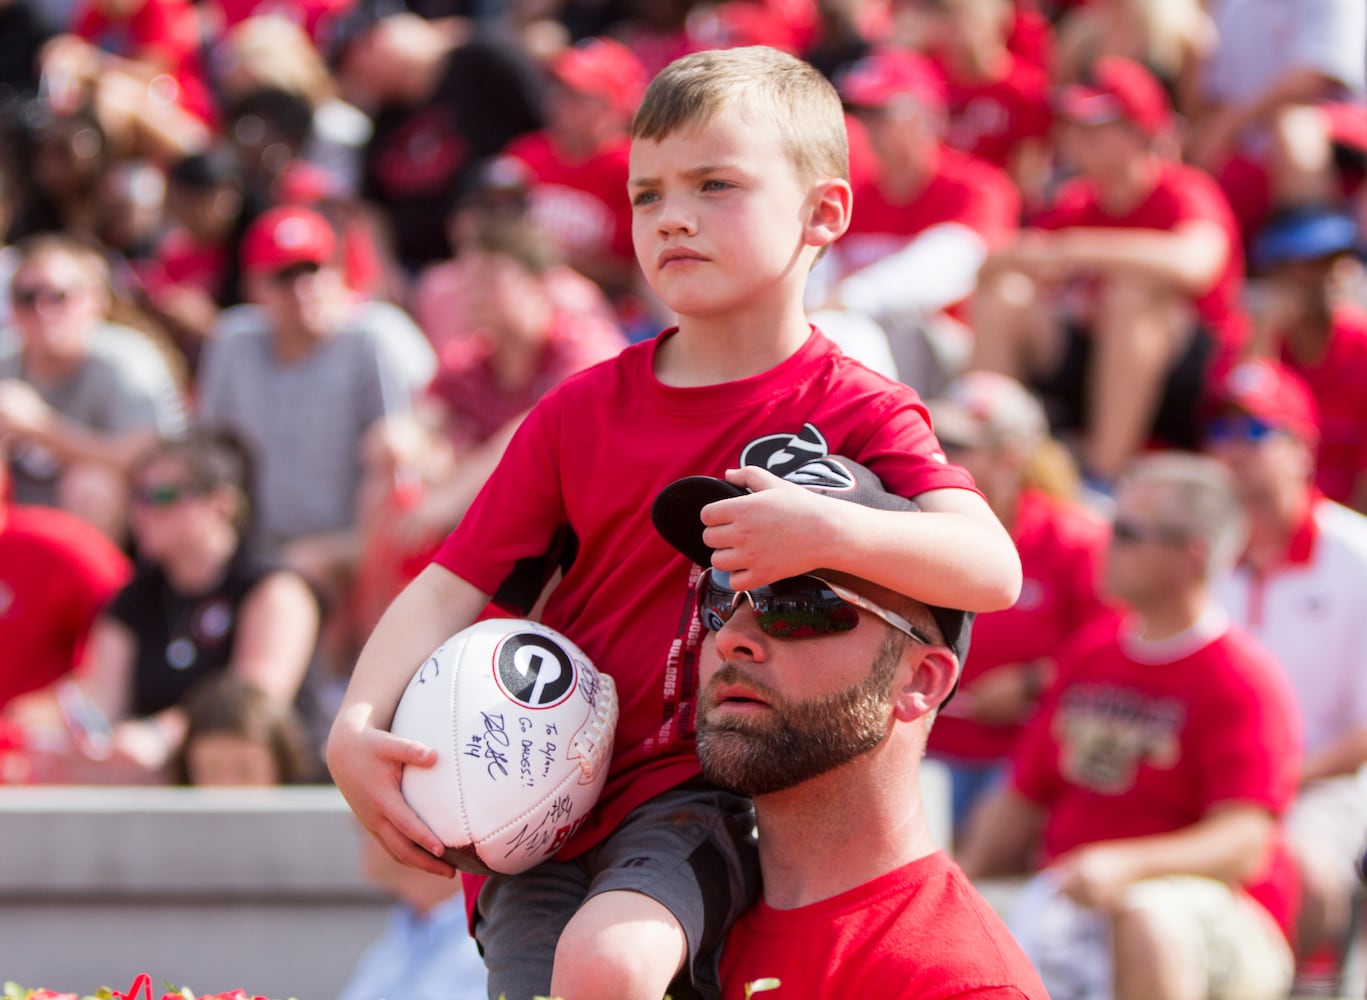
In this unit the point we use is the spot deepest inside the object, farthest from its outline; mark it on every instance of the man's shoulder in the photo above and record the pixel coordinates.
(1342, 533)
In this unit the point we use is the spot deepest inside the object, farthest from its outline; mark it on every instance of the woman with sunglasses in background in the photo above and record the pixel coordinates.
(202, 602)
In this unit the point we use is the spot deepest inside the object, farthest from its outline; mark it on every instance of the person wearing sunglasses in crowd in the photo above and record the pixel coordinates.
(202, 602)
(817, 693)
(1299, 589)
(300, 373)
(80, 396)
(1147, 790)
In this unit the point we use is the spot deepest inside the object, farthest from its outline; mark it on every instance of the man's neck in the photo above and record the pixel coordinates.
(1272, 523)
(833, 834)
(1174, 614)
(904, 181)
(1120, 193)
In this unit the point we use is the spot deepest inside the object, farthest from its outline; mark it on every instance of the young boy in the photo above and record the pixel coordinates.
(738, 182)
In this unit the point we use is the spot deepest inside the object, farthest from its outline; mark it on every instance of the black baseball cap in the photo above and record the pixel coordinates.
(676, 514)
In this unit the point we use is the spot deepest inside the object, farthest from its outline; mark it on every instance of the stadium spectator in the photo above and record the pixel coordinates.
(137, 66)
(996, 429)
(267, 61)
(1299, 589)
(56, 574)
(203, 602)
(1120, 299)
(1271, 63)
(301, 375)
(1171, 38)
(193, 272)
(79, 396)
(922, 225)
(238, 735)
(61, 160)
(441, 102)
(1309, 318)
(998, 102)
(442, 289)
(434, 460)
(1154, 774)
(857, 899)
(578, 162)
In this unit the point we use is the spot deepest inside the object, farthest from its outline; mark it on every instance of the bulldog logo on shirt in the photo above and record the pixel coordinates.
(1105, 733)
(798, 458)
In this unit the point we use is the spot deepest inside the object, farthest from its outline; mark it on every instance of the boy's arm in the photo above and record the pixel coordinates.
(366, 761)
(954, 552)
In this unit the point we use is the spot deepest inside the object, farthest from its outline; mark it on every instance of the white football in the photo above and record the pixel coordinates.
(523, 725)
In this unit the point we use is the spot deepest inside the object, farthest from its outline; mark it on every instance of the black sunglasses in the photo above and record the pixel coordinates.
(798, 607)
(1133, 533)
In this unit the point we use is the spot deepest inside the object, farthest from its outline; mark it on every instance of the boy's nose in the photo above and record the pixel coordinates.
(675, 218)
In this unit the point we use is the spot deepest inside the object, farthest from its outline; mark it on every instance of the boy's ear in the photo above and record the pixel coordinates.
(832, 203)
(924, 687)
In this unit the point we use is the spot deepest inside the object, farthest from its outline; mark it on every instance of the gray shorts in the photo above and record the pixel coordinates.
(692, 849)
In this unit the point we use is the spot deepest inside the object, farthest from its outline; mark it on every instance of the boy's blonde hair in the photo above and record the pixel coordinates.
(801, 104)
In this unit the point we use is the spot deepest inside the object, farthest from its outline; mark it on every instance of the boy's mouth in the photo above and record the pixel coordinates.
(674, 255)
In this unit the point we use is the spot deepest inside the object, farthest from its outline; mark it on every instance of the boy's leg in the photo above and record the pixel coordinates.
(668, 885)
(619, 944)
(519, 922)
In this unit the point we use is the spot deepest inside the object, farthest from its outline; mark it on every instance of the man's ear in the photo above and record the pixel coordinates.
(832, 202)
(921, 689)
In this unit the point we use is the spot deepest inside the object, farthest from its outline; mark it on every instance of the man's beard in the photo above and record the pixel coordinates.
(796, 740)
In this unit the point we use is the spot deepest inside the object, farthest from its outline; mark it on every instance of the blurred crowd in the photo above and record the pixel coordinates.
(279, 278)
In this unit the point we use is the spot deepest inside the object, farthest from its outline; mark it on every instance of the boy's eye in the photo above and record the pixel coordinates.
(716, 185)
(643, 197)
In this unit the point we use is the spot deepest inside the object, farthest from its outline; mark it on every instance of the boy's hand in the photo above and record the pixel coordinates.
(367, 764)
(777, 531)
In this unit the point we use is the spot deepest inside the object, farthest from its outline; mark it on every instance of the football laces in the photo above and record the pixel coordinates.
(593, 742)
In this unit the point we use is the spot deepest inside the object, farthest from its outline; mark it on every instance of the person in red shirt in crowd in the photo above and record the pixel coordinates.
(138, 64)
(428, 465)
(57, 572)
(998, 102)
(578, 162)
(1308, 318)
(996, 428)
(1153, 777)
(1121, 299)
(925, 217)
(1172, 39)
(825, 728)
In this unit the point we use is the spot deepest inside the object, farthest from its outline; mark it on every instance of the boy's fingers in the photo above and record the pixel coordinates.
(404, 849)
(408, 752)
(752, 477)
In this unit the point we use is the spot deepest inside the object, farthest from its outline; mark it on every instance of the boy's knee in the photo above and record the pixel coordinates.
(625, 947)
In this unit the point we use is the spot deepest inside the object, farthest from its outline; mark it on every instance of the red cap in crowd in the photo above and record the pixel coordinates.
(1273, 393)
(1118, 89)
(285, 236)
(889, 76)
(602, 68)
